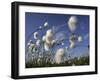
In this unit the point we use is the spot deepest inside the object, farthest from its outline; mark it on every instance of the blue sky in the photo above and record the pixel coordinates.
(35, 20)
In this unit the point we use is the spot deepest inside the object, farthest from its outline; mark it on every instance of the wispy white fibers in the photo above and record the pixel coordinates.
(72, 45)
(32, 46)
(36, 35)
(48, 38)
(66, 56)
(59, 55)
(46, 24)
(47, 47)
(43, 38)
(72, 22)
(38, 42)
(80, 39)
(53, 41)
(28, 44)
(38, 60)
(60, 36)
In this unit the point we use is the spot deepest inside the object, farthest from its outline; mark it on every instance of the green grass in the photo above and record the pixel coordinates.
(75, 61)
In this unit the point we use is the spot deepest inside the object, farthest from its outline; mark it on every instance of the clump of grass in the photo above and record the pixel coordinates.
(72, 62)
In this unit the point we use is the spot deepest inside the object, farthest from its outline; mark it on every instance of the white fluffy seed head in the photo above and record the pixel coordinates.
(49, 32)
(28, 44)
(49, 36)
(46, 24)
(80, 39)
(30, 41)
(60, 51)
(38, 42)
(72, 45)
(53, 41)
(44, 38)
(38, 61)
(46, 47)
(36, 35)
(72, 22)
(59, 55)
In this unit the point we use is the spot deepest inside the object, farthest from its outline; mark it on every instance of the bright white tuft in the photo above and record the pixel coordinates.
(80, 39)
(59, 55)
(72, 23)
(43, 38)
(49, 36)
(38, 42)
(46, 47)
(72, 45)
(36, 35)
(46, 24)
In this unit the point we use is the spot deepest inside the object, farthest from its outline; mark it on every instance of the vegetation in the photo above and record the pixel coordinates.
(53, 48)
(72, 62)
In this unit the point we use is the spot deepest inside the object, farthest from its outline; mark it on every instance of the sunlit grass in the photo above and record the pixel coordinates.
(72, 62)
